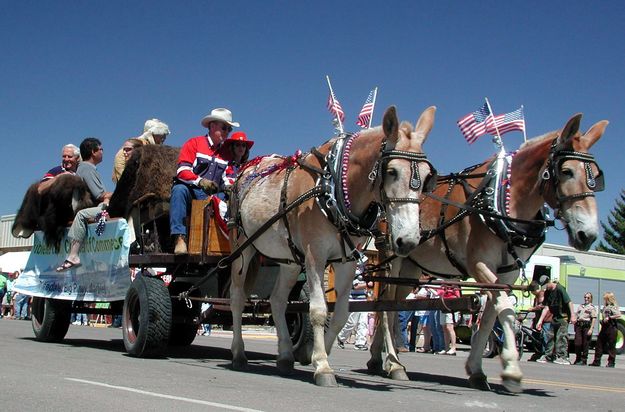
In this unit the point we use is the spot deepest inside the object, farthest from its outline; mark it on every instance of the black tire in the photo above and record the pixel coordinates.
(520, 343)
(50, 318)
(491, 349)
(146, 318)
(301, 331)
(620, 339)
(184, 326)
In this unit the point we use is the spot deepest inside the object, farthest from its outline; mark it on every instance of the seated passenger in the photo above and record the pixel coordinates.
(154, 132)
(127, 148)
(201, 172)
(70, 157)
(92, 153)
(239, 148)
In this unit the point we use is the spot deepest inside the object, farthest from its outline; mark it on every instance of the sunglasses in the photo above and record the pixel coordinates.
(127, 149)
(225, 127)
(237, 144)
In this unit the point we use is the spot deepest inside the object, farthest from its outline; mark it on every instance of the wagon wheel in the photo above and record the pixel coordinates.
(146, 319)
(184, 325)
(50, 319)
(301, 331)
(620, 339)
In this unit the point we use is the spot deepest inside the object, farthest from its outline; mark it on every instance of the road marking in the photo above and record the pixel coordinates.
(575, 385)
(161, 395)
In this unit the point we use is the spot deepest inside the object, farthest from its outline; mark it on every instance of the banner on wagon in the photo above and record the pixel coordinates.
(103, 274)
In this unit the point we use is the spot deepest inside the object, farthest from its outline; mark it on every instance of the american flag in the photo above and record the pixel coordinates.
(364, 118)
(507, 122)
(335, 107)
(473, 125)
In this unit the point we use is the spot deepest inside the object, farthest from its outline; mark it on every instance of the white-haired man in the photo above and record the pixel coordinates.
(70, 157)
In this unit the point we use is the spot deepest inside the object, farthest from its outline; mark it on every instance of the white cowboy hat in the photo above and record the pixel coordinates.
(219, 115)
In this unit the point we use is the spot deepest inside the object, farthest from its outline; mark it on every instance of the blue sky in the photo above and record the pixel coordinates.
(70, 70)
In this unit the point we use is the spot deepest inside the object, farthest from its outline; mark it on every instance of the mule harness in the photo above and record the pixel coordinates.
(489, 202)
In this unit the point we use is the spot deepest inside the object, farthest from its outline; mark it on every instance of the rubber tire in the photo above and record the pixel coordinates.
(146, 318)
(620, 339)
(50, 318)
(491, 349)
(183, 333)
(520, 344)
(301, 331)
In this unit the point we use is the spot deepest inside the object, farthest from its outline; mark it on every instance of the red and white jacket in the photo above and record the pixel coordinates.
(198, 159)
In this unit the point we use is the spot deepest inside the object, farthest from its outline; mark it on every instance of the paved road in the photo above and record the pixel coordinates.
(90, 371)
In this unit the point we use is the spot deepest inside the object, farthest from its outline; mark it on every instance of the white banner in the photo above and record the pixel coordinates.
(102, 276)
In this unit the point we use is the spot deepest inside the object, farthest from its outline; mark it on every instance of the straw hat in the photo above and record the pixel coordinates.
(219, 115)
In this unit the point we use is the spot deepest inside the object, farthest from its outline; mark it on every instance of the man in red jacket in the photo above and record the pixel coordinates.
(201, 172)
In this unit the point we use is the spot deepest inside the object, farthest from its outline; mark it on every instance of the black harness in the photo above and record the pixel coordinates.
(332, 199)
(488, 201)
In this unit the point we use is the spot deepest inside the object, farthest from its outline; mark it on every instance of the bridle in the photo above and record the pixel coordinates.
(415, 180)
(595, 183)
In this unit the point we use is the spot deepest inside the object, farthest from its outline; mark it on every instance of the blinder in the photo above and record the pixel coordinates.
(595, 182)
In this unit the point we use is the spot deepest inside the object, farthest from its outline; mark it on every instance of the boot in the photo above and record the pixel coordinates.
(181, 246)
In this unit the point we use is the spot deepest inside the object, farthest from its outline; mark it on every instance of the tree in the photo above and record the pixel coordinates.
(614, 232)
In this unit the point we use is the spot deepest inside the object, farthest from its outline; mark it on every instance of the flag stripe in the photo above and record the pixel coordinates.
(364, 118)
(335, 107)
(473, 125)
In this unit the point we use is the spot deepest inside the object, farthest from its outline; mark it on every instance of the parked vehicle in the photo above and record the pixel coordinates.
(580, 272)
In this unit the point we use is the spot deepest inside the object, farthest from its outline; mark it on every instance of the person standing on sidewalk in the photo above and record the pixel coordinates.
(357, 321)
(559, 304)
(586, 317)
(606, 341)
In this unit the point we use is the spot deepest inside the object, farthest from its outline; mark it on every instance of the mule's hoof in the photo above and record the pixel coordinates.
(285, 366)
(512, 385)
(399, 375)
(327, 380)
(374, 368)
(479, 381)
(239, 364)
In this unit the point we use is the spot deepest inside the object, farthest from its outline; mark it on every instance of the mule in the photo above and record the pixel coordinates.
(556, 169)
(379, 166)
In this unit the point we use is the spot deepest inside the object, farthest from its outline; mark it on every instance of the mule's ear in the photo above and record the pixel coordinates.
(593, 134)
(571, 129)
(424, 124)
(390, 124)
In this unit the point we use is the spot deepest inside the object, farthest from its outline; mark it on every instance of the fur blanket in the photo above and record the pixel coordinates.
(52, 210)
(148, 176)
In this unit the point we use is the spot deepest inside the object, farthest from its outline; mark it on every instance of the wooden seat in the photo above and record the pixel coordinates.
(203, 231)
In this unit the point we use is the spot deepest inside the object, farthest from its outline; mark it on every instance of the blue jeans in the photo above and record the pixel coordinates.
(434, 323)
(21, 306)
(404, 318)
(180, 206)
(547, 335)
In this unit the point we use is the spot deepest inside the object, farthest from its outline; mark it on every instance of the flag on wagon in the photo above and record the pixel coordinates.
(474, 124)
(364, 118)
(335, 107)
(507, 122)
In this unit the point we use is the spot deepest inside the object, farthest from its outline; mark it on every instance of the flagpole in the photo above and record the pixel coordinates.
(336, 116)
(375, 95)
(496, 139)
(524, 125)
